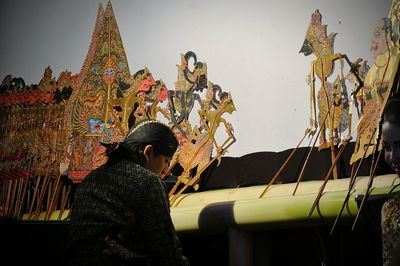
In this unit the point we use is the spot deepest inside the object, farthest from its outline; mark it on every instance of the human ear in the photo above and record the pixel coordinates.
(147, 151)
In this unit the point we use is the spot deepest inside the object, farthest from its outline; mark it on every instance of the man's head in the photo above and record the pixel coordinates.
(391, 134)
(150, 144)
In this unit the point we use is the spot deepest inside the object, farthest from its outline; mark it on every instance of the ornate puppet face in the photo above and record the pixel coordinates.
(379, 39)
(391, 143)
(228, 104)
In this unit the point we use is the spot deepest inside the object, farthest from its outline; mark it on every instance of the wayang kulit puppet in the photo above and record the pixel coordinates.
(54, 130)
(381, 82)
(333, 118)
(34, 127)
(374, 86)
(143, 99)
(104, 75)
(332, 97)
(194, 154)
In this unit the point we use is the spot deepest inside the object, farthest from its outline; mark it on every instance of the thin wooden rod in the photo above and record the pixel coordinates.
(283, 166)
(62, 209)
(287, 160)
(352, 182)
(321, 189)
(45, 185)
(13, 196)
(54, 197)
(25, 189)
(18, 185)
(50, 188)
(169, 169)
(9, 188)
(194, 179)
(300, 177)
(370, 182)
(35, 192)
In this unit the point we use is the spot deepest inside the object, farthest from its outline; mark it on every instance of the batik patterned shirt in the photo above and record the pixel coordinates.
(103, 203)
(391, 231)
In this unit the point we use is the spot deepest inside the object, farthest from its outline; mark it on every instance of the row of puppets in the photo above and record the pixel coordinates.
(52, 131)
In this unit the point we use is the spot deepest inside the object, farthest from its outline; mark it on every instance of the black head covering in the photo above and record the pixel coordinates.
(155, 133)
(147, 132)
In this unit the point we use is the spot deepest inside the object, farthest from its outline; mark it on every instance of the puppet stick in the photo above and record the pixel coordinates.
(20, 200)
(18, 185)
(49, 193)
(282, 167)
(169, 170)
(22, 195)
(35, 191)
(13, 195)
(174, 188)
(9, 195)
(354, 171)
(42, 193)
(321, 190)
(54, 198)
(352, 182)
(305, 163)
(3, 191)
(6, 207)
(219, 154)
(287, 160)
(63, 192)
(179, 181)
(11, 198)
(24, 190)
(370, 182)
(64, 203)
(194, 179)
(171, 194)
(172, 197)
(28, 194)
